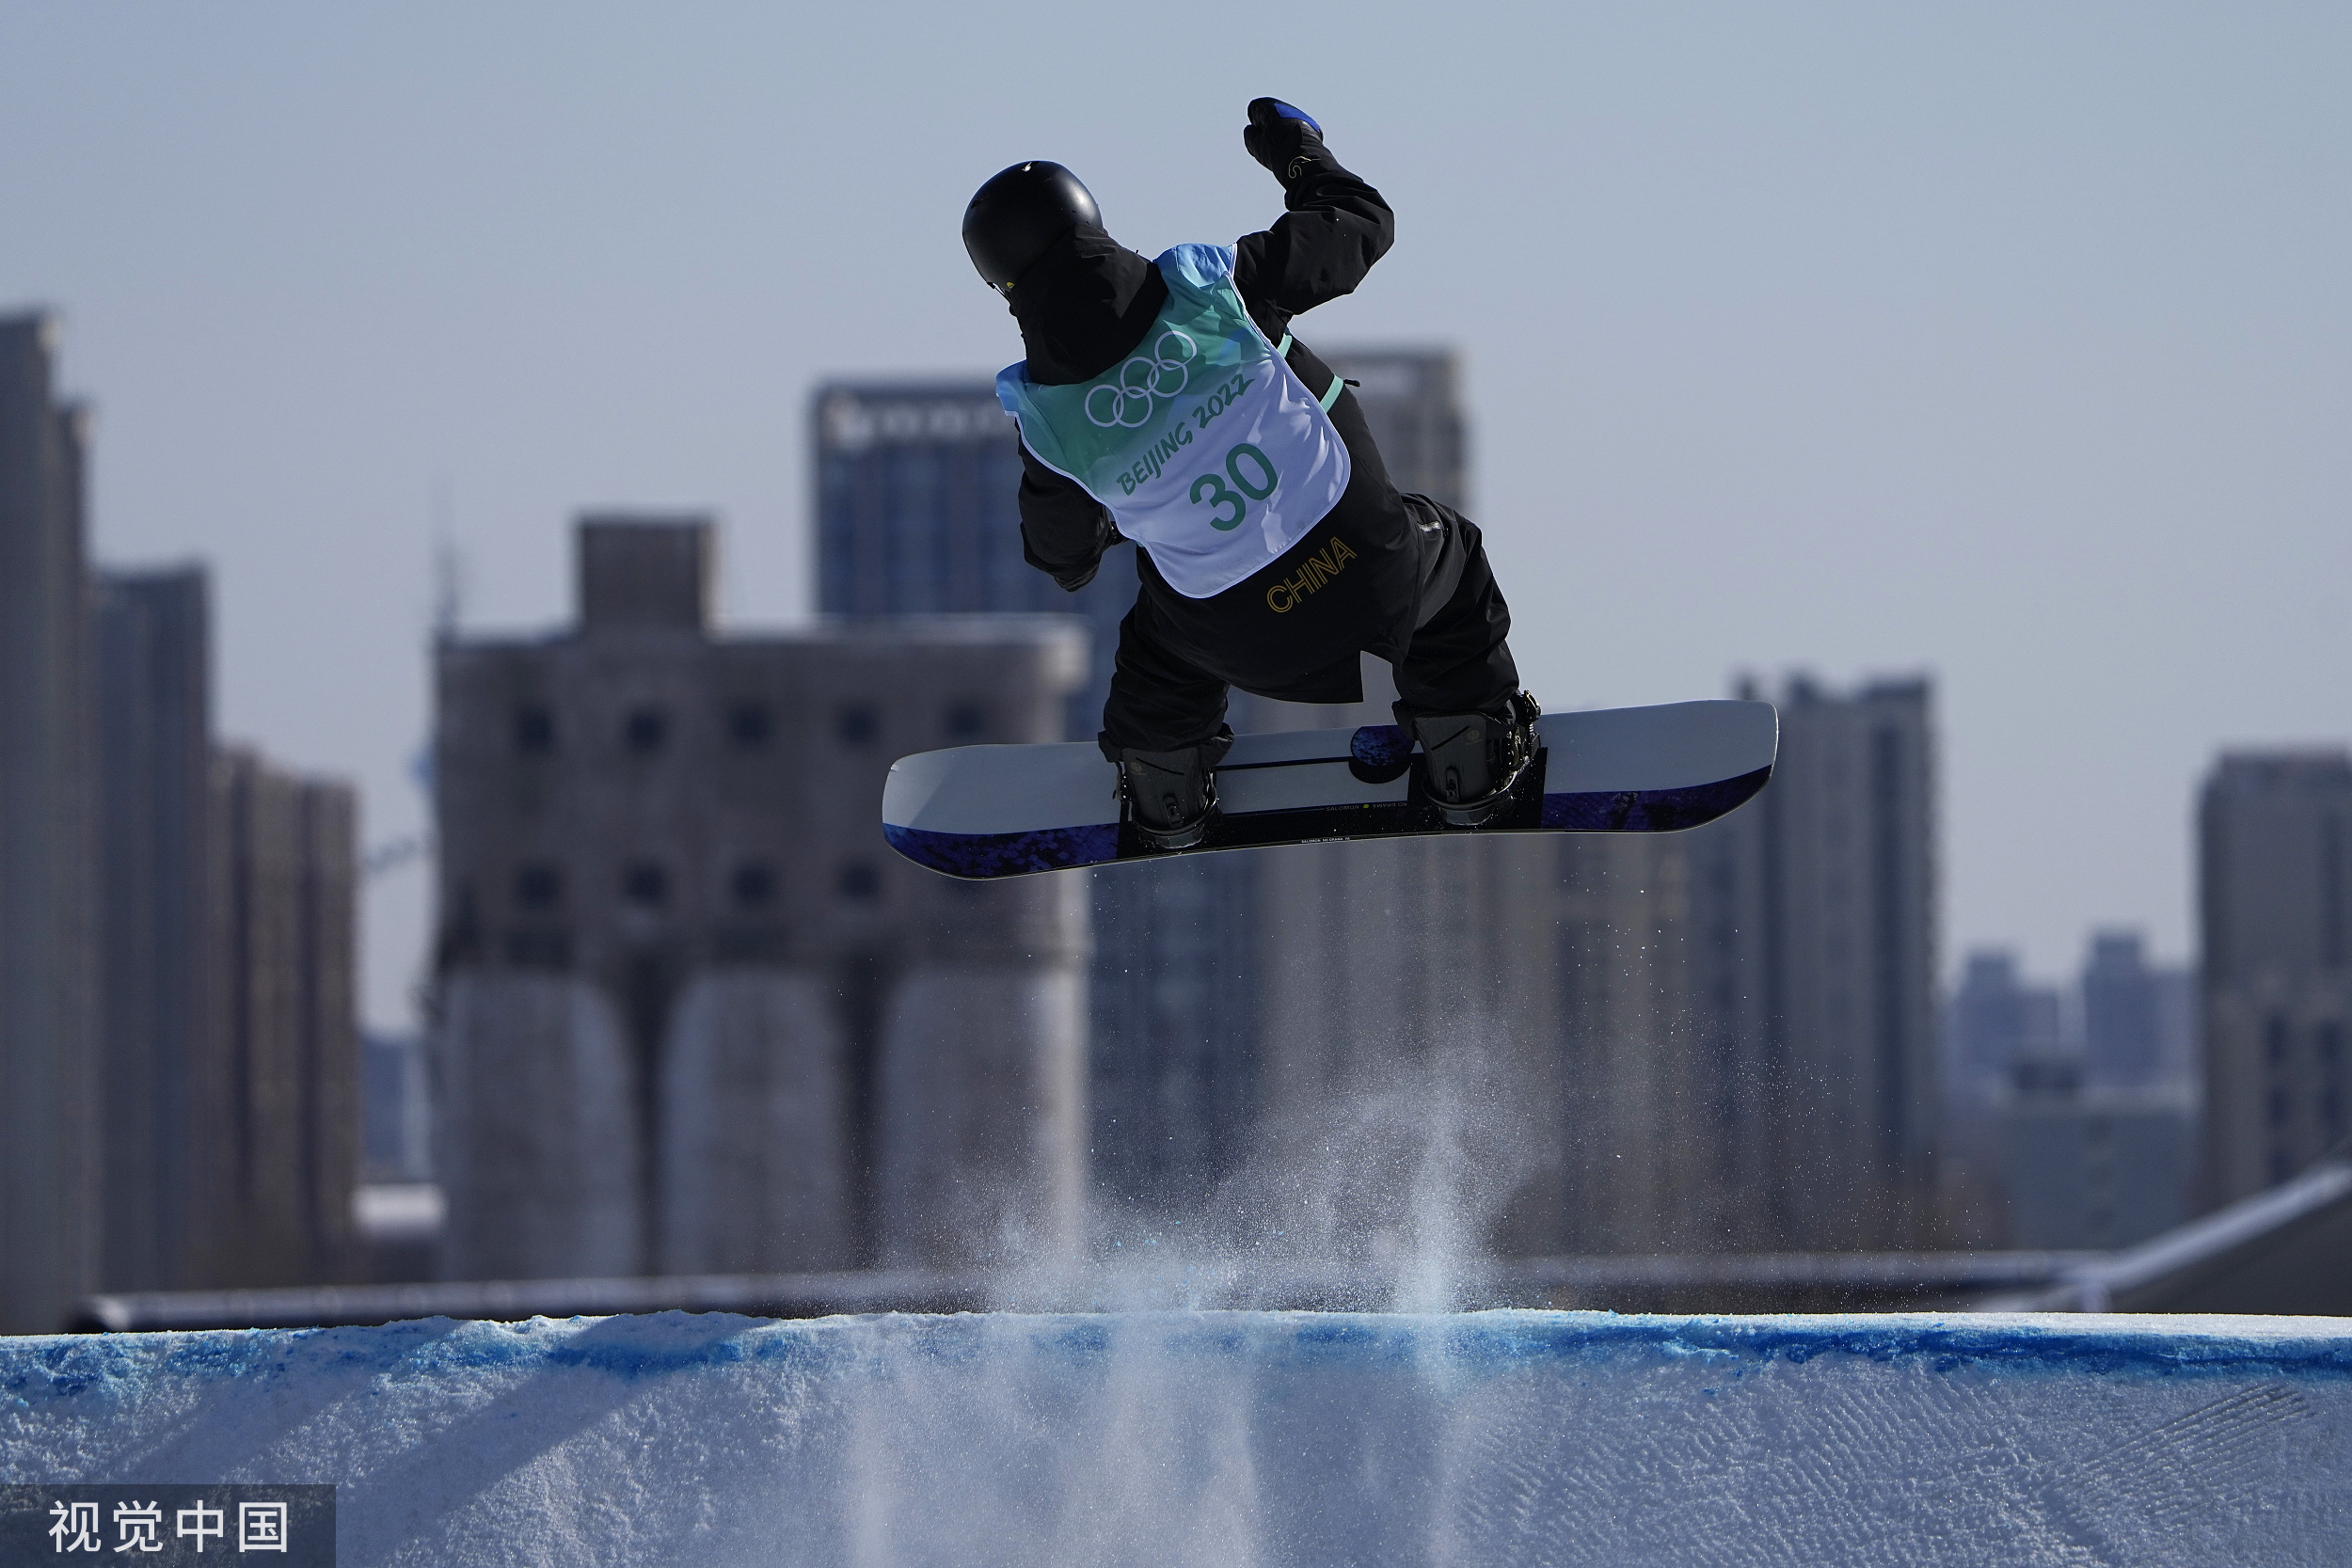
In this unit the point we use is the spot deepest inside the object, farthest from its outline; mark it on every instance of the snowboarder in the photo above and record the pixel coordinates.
(1164, 402)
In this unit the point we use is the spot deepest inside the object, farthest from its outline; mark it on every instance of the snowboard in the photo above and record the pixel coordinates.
(986, 812)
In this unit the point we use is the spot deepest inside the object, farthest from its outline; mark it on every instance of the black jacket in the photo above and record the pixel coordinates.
(1087, 302)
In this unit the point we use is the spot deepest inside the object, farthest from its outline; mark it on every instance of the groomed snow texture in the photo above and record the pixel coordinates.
(1241, 1439)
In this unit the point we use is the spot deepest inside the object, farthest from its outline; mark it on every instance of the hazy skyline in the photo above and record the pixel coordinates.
(2008, 343)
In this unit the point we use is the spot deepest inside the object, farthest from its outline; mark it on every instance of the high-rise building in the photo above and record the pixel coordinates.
(285, 865)
(2180, 1032)
(1590, 936)
(1996, 1020)
(50, 1195)
(694, 1016)
(917, 514)
(1367, 956)
(2275, 907)
(227, 907)
(176, 926)
(2090, 1166)
(1993, 1022)
(2098, 1133)
(1814, 909)
(1174, 1011)
(2124, 1045)
(166, 1081)
(1550, 974)
(2070, 1126)
(1412, 399)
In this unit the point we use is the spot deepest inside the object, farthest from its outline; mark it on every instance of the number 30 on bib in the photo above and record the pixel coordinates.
(1252, 473)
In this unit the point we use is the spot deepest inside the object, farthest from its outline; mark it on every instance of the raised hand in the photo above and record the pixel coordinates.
(1285, 139)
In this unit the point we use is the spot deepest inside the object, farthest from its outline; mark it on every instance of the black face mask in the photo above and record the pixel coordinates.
(1083, 305)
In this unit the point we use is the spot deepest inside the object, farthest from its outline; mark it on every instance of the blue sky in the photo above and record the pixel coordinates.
(2003, 341)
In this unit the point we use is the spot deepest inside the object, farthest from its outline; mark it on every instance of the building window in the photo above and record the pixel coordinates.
(748, 726)
(538, 885)
(461, 939)
(646, 731)
(857, 724)
(2275, 1038)
(2279, 1108)
(754, 885)
(645, 884)
(532, 948)
(2281, 1166)
(860, 881)
(748, 943)
(964, 720)
(534, 729)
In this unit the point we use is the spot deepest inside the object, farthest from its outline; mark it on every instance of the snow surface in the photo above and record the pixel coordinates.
(1237, 1438)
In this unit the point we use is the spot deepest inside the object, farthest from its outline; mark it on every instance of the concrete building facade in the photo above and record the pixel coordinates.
(2123, 1034)
(2275, 913)
(50, 1165)
(1814, 909)
(2085, 1165)
(2071, 1121)
(1993, 1020)
(1996, 1019)
(917, 514)
(1367, 956)
(1554, 972)
(1585, 950)
(694, 1015)
(279, 1107)
(176, 995)
(165, 1075)
(1223, 985)
(228, 901)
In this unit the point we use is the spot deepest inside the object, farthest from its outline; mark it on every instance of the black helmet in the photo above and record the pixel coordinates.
(1013, 217)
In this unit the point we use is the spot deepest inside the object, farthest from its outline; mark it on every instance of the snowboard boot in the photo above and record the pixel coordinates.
(1170, 796)
(1471, 762)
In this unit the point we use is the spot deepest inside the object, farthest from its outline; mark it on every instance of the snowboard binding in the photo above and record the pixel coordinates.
(1471, 763)
(1170, 797)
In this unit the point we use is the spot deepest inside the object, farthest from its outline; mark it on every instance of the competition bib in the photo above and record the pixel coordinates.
(1207, 449)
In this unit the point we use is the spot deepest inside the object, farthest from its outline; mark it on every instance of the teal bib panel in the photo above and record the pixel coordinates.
(1207, 449)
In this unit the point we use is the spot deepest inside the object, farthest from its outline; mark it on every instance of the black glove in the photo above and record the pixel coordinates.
(1077, 576)
(1286, 140)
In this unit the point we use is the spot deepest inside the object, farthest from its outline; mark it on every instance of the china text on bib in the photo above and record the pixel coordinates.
(1207, 449)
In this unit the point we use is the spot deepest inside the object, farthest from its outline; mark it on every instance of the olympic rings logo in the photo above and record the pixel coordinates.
(1129, 399)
